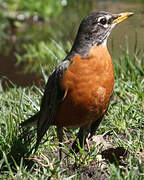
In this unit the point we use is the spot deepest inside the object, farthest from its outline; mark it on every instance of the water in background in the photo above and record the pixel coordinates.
(64, 29)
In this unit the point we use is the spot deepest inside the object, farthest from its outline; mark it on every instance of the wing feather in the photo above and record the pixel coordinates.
(53, 97)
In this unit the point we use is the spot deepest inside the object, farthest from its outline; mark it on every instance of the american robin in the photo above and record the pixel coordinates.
(78, 91)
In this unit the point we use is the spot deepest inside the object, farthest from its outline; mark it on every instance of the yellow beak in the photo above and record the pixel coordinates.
(122, 16)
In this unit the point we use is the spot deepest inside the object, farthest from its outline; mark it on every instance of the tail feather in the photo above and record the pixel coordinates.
(32, 121)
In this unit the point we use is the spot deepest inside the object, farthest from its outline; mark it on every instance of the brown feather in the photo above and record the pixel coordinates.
(90, 84)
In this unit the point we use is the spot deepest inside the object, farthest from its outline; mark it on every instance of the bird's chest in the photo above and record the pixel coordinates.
(89, 82)
(88, 85)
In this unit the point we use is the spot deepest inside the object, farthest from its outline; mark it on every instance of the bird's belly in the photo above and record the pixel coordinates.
(83, 105)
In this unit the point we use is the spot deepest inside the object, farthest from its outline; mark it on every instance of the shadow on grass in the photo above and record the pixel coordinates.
(114, 155)
(19, 152)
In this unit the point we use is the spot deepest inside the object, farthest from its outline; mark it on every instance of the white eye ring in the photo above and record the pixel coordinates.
(102, 20)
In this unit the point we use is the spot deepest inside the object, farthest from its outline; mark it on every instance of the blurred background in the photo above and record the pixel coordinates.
(36, 35)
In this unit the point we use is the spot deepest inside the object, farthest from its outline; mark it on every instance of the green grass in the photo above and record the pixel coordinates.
(122, 127)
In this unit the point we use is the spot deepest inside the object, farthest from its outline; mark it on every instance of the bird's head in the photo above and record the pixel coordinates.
(96, 27)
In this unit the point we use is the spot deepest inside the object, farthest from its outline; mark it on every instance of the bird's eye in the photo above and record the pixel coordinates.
(103, 21)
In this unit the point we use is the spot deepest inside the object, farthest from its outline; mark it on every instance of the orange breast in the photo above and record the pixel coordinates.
(89, 84)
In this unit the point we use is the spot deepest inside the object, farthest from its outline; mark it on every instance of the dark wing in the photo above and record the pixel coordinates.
(51, 101)
(32, 121)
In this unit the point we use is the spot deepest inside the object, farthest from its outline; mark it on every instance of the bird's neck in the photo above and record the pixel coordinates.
(82, 47)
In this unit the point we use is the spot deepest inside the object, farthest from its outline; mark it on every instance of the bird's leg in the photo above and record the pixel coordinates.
(87, 144)
(60, 137)
(94, 127)
(82, 135)
(85, 133)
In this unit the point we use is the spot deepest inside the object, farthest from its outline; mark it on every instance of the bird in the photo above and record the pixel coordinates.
(78, 91)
